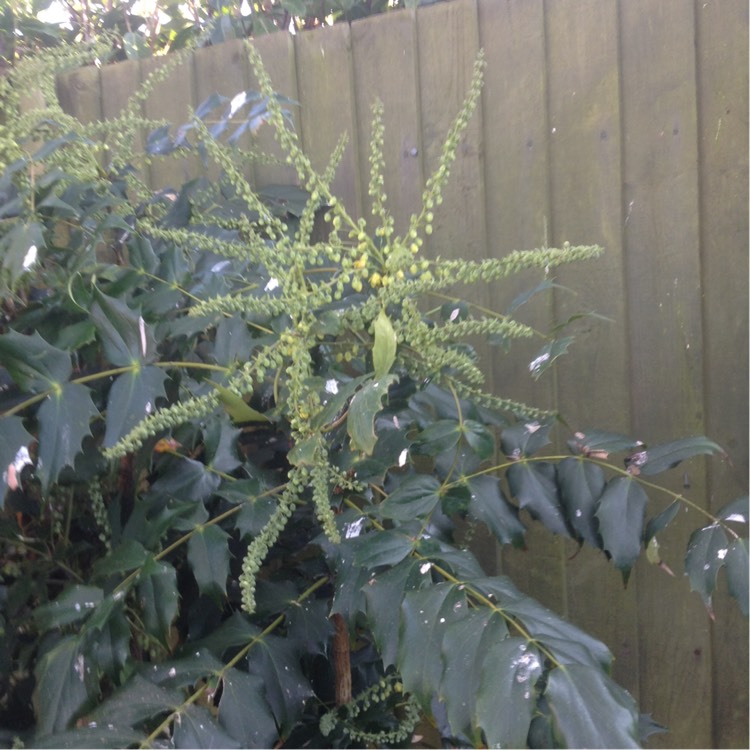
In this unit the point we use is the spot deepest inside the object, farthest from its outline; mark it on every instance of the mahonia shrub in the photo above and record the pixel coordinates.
(245, 435)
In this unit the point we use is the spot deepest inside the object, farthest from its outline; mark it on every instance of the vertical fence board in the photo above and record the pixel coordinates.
(516, 170)
(585, 180)
(385, 68)
(222, 69)
(277, 53)
(722, 44)
(663, 276)
(170, 100)
(326, 88)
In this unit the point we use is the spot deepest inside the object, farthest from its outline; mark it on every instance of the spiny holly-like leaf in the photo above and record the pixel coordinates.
(581, 485)
(437, 437)
(158, 597)
(489, 505)
(738, 511)
(13, 437)
(94, 736)
(197, 727)
(666, 456)
(73, 604)
(415, 497)
(34, 364)
(590, 710)
(366, 403)
(600, 444)
(208, 555)
(277, 663)
(535, 487)
(425, 615)
(64, 421)
(479, 438)
(244, 712)
(737, 573)
(660, 521)
(621, 513)
(524, 439)
(707, 553)
(132, 397)
(18, 251)
(510, 672)
(548, 354)
(384, 345)
(63, 684)
(465, 645)
(387, 547)
(383, 593)
(125, 336)
(186, 479)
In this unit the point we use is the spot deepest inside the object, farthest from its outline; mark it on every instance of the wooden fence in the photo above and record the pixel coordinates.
(623, 123)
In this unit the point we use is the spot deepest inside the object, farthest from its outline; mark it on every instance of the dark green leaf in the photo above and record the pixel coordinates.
(13, 437)
(18, 251)
(109, 645)
(197, 728)
(208, 555)
(244, 712)
(510, 672)
(186, 479)
(158, 597)
(365, 404)
(581, 485)
(621, 512)
(132, 398)
(481, 440)
(489, 505)
(63, 683)
(64, 421)
(737, 511)
(198, 664)
(707, 553)
(437, 437)
(382, 548)
(34, 364)
(135, 702)
(737, 573)
(661, 521)
(668, 455)
(425, 616)
(94, 737)
(384, 594)
(124, 334)
(590, 710)
(524, 440)
(548, 354)
(415, 497)
(535, 487)
(604, 443)
(465, 645)
(276, 662)
(72, 605)
(384, 345)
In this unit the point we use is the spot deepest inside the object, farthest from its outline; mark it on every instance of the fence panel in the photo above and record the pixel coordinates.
(623, 123)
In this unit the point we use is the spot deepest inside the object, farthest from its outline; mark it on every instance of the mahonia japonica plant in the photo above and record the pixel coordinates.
(244, 434)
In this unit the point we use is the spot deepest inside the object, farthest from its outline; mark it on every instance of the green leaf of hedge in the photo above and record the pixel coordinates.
(125, 336)
(73, 604)
(415, 497)
(244, 712)
(158, 596)
(63, 679)
(668, 455)
(621, 513)
(737, 573)
(208, 555)
(197, 727)
(535, 487)
(94, 737)
(365, 404)
(34, 364)
(660, 521)
(489, 505)
(510, 671)
(384, 345)
(581, 485)
(590, 710)
(707, 553)
(132, 398)
(64, 421)
(425, 615)
(480, 439)
(387, 547)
